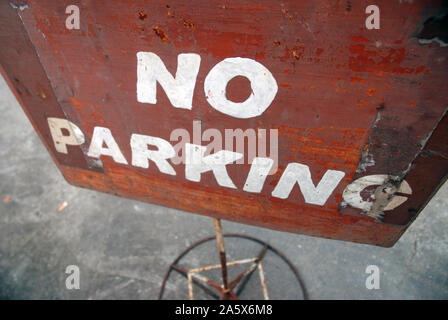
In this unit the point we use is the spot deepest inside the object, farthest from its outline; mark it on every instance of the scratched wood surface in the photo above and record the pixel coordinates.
(360, 101)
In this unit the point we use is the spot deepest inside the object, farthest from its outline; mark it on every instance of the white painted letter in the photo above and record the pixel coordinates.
(104, 136)
(141, 154)
(352, 193)
(74, 138)
(264, 87)
(373, 21)
(196, 164)
(296, 172)
(257, 175)
(179, 90)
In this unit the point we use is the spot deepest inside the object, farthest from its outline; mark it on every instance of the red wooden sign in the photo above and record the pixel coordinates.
(322, 117)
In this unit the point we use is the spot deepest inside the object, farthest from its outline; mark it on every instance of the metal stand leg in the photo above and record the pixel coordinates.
(227, 290)
(227, 293)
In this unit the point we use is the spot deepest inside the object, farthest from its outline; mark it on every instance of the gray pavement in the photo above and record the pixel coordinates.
(123, 247)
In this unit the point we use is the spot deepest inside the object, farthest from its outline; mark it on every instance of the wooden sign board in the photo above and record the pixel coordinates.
(324, 118)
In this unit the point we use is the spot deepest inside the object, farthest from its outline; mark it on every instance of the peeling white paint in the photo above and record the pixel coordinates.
(97, 163)
(366, 161)
(442, 43)
(43, 34)
(21, 8)
(352, 193)
(396, 201)
(75, 137)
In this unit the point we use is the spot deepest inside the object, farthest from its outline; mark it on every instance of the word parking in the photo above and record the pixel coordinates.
(103, 143)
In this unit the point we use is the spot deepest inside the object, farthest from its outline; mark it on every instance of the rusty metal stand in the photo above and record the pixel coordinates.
(226, 290)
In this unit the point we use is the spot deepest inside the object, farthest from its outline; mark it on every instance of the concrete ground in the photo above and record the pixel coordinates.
(123, 247)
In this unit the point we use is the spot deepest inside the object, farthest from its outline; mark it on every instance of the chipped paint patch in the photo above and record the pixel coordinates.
(434, 29)
(20, 7)
(383, 198)
(435, 39)
(366, 161)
